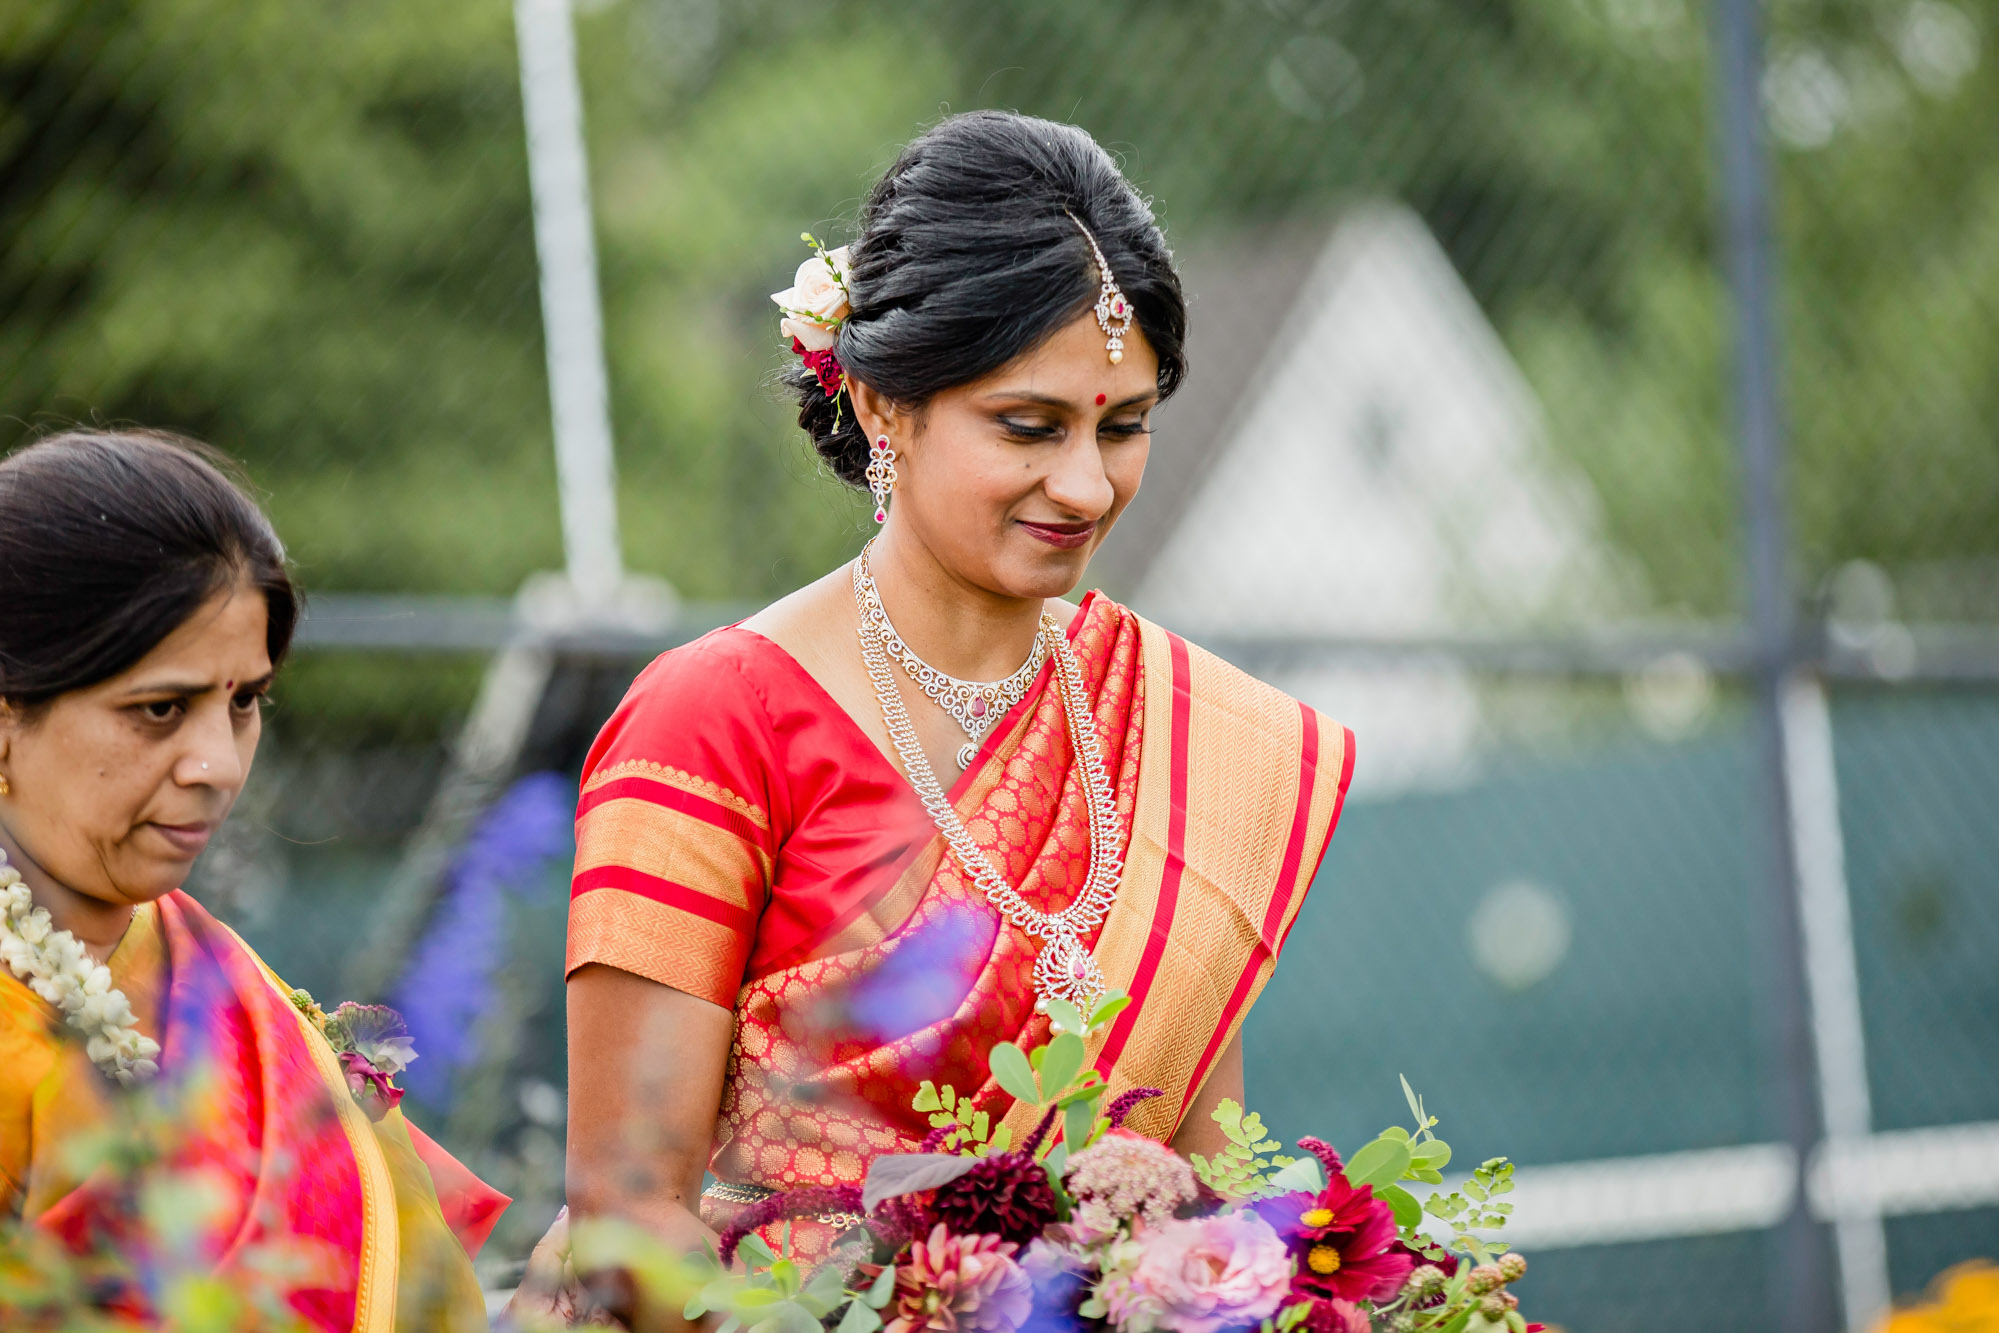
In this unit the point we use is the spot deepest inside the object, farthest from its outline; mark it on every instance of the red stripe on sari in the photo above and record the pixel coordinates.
(674, 798)
(663, 891)
(1332, 824)
(1176, 862)
(1269, 938)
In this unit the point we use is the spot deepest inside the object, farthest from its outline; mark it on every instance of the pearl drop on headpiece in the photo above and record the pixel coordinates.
(1112, 310)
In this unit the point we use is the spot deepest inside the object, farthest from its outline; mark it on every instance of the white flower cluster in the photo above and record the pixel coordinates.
(55, 966)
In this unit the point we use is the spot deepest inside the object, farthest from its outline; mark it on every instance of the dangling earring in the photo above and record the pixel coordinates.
(881, 476)
(6, 788)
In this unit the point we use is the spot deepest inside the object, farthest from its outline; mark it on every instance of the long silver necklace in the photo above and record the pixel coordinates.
(976, 705)
(1064, 969)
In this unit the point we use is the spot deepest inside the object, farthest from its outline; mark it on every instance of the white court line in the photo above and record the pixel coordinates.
(1716, 1190)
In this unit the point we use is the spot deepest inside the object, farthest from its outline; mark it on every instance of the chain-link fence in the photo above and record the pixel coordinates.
(1457, 463)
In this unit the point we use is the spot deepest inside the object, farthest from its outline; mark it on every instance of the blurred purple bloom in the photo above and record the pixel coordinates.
(448, 986)
(923, 981)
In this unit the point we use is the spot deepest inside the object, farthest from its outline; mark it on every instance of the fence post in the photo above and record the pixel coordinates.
(1801, 1296)
(572, 320)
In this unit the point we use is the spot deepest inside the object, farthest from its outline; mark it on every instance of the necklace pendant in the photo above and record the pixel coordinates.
(966, 754)
(1066, 971)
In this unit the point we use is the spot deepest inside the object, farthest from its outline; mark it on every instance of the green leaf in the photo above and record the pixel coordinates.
(1062, 1059)
(1078, 1119)
(1062, 1016)
(755, 1298)
(882, 1289)
(1434, 1154)
(1109, 1008)
(1381, 1162)
(1395, 1132)
(755, 1252)
(1304, 1175)
(785, 1273)
(1013, 1073)
(1408, 1212)
(926, 1098)
(1057, 1161)
(860, 1318)
(1002, 1139)
(1415, 1104)
(1035, 1056)
(694, 1308)
(1475, 1190)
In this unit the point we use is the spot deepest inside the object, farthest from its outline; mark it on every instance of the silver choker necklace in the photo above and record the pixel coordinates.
(977, 705)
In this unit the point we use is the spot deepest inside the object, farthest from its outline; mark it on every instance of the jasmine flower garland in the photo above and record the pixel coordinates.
(55, 966)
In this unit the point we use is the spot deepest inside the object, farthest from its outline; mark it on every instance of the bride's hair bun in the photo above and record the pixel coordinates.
(967, 257)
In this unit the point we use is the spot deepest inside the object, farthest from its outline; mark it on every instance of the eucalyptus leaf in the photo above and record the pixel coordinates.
(1408, 1212)
(882, 1289)
(753, 1251)
(1433, 1154)
(1108, 1008)
(1061, 1060)
(1063, 1015)
(860, 1318)
(1305, 1175)
(1013, 1073)
(1379, 1163)
(899, 1173)
(1078, 1118)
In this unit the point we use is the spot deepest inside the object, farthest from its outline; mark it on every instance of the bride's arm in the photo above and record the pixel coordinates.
(646, 1064)
(1198, 1130)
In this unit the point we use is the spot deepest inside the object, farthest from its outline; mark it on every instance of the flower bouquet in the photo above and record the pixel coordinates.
(1087, 1227)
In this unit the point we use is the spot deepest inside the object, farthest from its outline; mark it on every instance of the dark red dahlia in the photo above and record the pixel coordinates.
(1343, 1241)
(1005, 1195)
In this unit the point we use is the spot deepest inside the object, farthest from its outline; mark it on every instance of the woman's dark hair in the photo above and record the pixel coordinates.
(967, 257)
(109, 541)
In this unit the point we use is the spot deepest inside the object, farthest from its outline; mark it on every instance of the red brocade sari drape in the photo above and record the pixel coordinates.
(741, 839)
(251, 1103)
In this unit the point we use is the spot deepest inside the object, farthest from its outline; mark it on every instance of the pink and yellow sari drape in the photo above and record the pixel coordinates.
(252, 1107)
(1229, 792)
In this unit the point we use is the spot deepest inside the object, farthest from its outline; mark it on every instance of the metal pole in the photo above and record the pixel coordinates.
(572, 323)
(1801, 1299)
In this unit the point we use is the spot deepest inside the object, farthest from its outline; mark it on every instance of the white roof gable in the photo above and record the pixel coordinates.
(1385, 472)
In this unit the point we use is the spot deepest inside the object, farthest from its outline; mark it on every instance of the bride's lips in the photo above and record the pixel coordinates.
(187, 839)
(1063, 536)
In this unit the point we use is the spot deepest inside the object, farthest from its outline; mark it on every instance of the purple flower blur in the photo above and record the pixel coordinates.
(448, 985)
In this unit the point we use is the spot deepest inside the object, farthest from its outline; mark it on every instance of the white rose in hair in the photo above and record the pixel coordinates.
(816, 301)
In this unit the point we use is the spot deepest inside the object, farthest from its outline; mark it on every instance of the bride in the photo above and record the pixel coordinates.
(846, 845)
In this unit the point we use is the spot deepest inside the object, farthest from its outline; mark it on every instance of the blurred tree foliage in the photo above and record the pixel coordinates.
(303, 233)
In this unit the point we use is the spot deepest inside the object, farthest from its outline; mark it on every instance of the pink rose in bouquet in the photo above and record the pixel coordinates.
(1201, 1275)
(959, 1284)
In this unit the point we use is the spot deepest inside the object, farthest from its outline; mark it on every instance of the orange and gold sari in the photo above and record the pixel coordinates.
(871, 962)
(251, 1112)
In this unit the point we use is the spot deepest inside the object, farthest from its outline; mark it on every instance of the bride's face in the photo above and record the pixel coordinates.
(1014, 480)
(116, 788)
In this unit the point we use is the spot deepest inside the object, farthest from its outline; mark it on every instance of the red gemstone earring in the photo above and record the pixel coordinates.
(881, 476)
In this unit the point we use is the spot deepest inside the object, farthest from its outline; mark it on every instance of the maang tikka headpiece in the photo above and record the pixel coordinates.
(1113, 311)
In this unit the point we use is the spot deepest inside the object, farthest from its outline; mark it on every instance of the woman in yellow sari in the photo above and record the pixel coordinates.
(847, 845)
(170, 1112)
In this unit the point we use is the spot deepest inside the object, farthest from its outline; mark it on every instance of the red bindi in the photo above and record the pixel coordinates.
(1100, 400)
